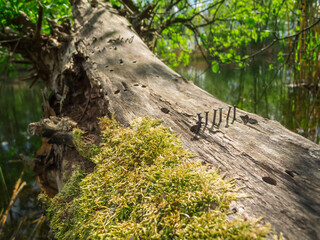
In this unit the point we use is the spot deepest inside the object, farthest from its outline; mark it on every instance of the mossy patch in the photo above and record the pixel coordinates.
(144, 187)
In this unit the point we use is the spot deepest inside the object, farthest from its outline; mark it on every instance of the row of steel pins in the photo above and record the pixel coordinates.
(199, 123)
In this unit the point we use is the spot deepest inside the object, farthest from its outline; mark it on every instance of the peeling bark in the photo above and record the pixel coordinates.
(106, 69)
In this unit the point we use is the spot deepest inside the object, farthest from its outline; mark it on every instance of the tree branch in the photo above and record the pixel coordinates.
(39, 22)
(280, 39)
(131, 5)
(195, 30)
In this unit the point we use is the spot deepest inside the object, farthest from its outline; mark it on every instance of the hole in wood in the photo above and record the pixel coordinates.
(117, 91)
(269, 180)
(290, 172)
(144, 86)
(165, 110)
(125, 86)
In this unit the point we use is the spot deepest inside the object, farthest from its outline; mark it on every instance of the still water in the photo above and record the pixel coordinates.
(19, 105)
(267, 92)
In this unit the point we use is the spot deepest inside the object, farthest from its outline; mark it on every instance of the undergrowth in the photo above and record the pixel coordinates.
(144, 187)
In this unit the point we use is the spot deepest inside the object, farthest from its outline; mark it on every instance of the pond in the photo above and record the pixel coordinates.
(269, 92)
(19, 105)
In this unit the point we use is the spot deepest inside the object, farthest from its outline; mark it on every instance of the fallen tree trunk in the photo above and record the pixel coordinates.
(106, 69)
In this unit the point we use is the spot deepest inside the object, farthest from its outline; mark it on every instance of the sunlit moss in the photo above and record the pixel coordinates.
(144, 187)
(61, 209)
(85, 148)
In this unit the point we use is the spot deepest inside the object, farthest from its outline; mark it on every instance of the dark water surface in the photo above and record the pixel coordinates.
(19, 105)
(267, 92)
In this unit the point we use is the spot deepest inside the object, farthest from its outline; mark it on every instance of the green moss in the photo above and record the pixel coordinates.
(144, 187)
(84, 146)
(61, 210)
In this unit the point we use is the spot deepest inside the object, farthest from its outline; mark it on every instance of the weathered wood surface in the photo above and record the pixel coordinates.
(107, 69)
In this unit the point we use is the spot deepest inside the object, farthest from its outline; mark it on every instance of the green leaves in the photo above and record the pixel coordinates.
(250, 21)
(215, 66)
(270, 66)
(216, 27)
(57, 10)
(280, 56)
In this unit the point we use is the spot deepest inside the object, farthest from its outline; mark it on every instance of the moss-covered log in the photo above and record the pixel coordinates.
(145, 186)
(104, 68)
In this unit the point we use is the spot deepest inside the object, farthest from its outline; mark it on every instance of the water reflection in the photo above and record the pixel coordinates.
(19, 105)
(267, 92)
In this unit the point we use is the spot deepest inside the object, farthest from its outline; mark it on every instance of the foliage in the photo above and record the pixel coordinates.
(221, 30)
(305, 48)
(144, 187)
(54, 10)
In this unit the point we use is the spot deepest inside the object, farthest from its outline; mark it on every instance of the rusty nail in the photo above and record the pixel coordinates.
(199, 116)
(229, 113)
(199, 124)
(206, 122)
(227, 120)
(214, 116)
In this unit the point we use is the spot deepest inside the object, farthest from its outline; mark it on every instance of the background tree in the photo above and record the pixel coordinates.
(220, 30)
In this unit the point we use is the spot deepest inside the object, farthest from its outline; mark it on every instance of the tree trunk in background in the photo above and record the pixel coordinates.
(106, 69)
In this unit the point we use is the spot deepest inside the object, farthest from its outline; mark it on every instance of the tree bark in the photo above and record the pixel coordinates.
(106, 69)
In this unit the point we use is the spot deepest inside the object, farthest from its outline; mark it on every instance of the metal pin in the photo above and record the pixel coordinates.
(229, 113)
(199, 116)
(199, 124)
(220, 112)
(234, 112)
(206, 122)
(228, 116)
(214, 116)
